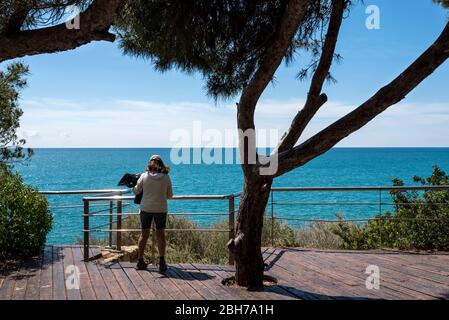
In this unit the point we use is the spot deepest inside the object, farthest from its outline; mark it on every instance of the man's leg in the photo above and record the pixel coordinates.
(143, 242)
(160, 220)
(160, 235)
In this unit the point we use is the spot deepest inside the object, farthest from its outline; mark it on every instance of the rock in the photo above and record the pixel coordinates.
(128, 254)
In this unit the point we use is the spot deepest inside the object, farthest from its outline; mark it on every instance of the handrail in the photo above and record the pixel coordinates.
(238, 194)
(181, 197)
(376, 188)
(119, 196)
(66, 192)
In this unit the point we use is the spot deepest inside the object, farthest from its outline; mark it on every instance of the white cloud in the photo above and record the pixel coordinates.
(30, 134)
(134, 123)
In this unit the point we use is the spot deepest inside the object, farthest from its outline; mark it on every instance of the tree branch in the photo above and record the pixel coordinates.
(314, 97)
(95, 22)
(294, 14)
(387, 96)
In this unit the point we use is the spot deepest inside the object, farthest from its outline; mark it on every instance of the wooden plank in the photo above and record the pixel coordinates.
(86, 288)
(241, 293)
(316, 284)
(124, 282)
(356, 278)
(186, 270)
(158, 289)
(111, 282)
(210, 281)
(408, 281)
(59, 292)
(21, 282)
(429, 263)
(168, 289)
(34, 276)
(98, 283)
(393, 283)
(268, 293)
(72, 293)
(415, 269)
(210, 270)
(9, 282)
(46, 275)
(197, 285)
(302, 288)
(145, 291)
(183, 285)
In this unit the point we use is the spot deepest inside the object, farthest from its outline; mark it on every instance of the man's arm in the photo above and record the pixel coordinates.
(169, 189)
(139, 186)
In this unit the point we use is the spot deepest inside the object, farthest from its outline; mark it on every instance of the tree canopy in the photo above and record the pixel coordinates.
(11, 82)
(226, 40)
(36, 26)
(444, 3)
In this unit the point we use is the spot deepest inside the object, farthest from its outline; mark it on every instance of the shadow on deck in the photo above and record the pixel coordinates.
(301, 273)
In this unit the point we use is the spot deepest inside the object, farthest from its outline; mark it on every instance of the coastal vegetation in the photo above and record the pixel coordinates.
(12, 80)
(419, 220)
(190, 246)
(25, 219)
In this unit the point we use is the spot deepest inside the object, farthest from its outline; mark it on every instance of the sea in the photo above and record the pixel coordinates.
(65, 169)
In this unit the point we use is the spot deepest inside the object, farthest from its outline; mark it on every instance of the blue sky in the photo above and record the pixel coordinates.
(81, 98)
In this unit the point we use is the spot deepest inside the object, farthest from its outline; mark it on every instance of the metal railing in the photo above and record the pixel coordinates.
(116, 202)
(380, 204)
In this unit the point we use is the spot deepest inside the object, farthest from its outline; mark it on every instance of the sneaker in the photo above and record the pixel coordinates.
(162, 265)
(141, 265)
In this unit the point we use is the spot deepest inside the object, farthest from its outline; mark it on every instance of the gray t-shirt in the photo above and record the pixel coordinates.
(157, 188)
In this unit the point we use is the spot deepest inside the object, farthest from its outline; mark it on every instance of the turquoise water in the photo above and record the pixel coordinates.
(68, 169)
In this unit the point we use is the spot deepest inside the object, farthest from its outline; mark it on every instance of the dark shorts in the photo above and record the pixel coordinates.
(146, 218)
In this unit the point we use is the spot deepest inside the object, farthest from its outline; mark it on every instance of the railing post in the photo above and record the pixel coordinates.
(272, 218)
(86, 230)
(382, 221)
(119, 225)
(111, 211)
(231, 226)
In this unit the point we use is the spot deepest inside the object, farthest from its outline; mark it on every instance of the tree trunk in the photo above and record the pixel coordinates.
(247, 243)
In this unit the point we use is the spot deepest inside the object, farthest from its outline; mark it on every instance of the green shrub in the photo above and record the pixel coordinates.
(419, 220)
(277, 233)
(25, 219)
(318, 235)
(200, 246)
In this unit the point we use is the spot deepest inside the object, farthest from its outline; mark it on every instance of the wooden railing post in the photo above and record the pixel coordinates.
(119, 225)
(86, 230)
(231, 226)
(111, 212)
(272, 218)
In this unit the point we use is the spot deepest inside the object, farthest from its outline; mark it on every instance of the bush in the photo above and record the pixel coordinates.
(199, 246)
(419, 220)
(318, 235)
(25, 219)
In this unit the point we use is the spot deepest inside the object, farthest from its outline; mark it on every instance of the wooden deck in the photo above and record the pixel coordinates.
(301, 274)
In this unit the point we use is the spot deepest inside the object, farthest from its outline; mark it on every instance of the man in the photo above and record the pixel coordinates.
(156, 188)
